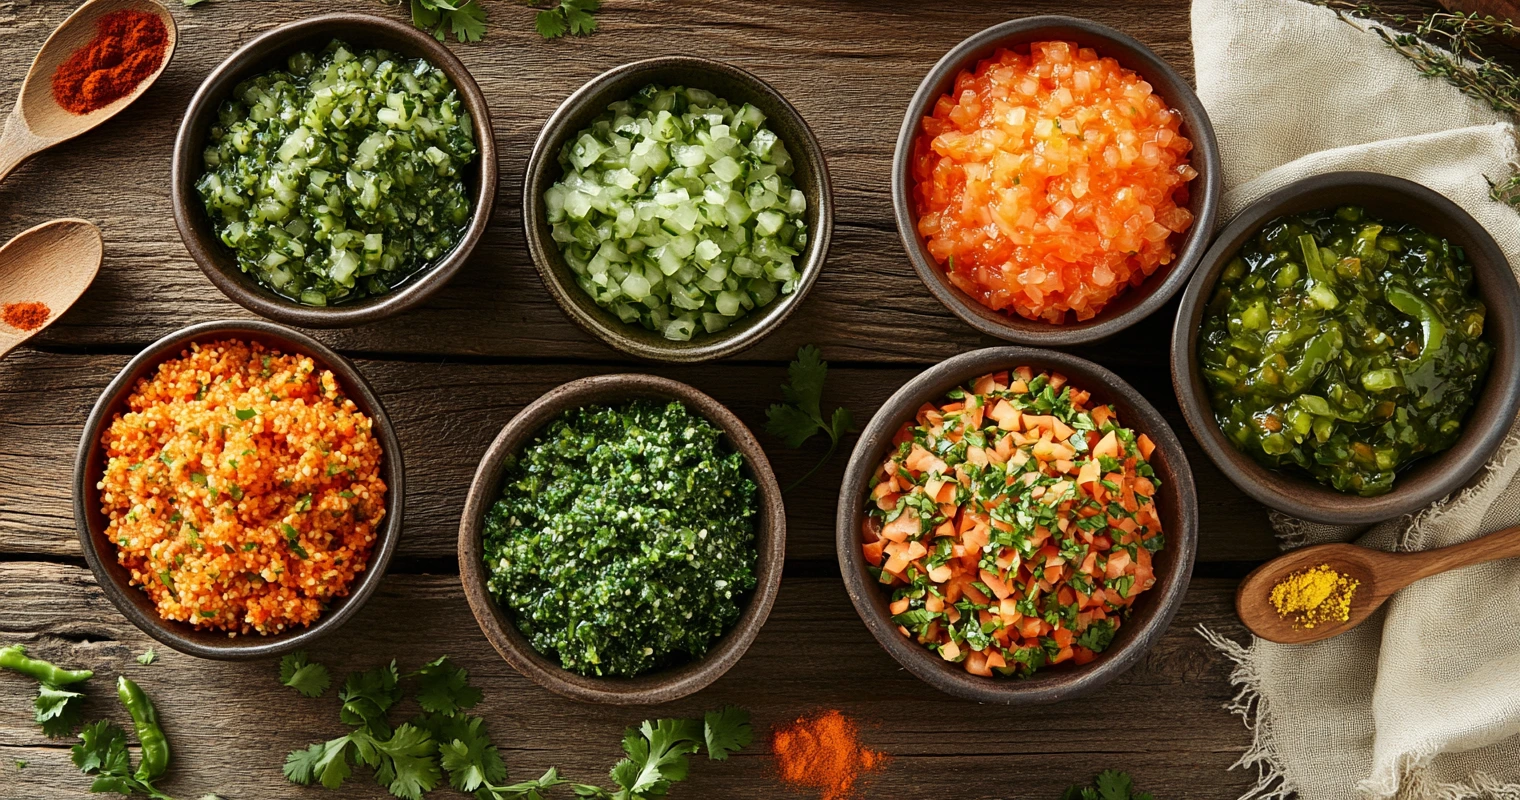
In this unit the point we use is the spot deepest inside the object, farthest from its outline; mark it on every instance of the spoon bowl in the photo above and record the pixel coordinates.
(38, 122)
(1378, 574)
(51, 264)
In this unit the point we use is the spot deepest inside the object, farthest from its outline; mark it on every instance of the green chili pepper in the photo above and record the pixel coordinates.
(14, 658)
(154, 760)
(1430, 321)
(1321, 349)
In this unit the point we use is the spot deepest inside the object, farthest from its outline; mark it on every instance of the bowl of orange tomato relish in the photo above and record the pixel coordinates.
(1055, 181)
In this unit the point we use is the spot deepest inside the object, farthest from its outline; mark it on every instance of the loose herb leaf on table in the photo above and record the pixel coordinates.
(1108, 785)
(801, 416)
(566, 16)
(56, 709)
(466, 20)
(102, 752)
(444, 741)
(307, 677)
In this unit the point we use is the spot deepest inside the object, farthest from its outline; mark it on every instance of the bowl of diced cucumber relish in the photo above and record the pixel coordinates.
(334, 171)
(1346, 353)
(677, 208)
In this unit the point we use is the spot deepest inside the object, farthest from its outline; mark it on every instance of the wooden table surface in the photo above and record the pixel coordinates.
(455, 370)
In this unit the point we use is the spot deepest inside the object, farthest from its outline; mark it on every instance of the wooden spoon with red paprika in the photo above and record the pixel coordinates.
(103, 57)
(42, 272)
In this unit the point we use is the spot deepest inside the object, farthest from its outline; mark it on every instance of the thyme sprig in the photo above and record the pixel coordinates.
(1455, 47)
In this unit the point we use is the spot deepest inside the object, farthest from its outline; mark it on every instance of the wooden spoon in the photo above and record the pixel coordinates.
(38, 122)
(1379, 573)
(51, 264)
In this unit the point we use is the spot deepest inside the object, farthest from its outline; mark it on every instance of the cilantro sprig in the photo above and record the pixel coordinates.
(102, 752)
(446, 742)
(1109, 785)
(565, 16)
(466, 20)
(307, 677)
(801, 416)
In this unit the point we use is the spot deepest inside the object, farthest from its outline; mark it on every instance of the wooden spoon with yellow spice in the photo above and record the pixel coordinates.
(1318, 592)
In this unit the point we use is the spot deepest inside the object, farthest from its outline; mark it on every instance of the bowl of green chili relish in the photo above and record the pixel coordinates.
(677, 208)
(1175, 500)
(334, 171)
(1347, 351)
(622, 541)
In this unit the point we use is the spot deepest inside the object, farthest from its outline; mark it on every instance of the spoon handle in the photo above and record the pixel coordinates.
(17, 142)
(1492, 547)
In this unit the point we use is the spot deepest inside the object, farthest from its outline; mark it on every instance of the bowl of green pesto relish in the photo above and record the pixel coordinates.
(623, 539)
(1347, 353)
(334, 171)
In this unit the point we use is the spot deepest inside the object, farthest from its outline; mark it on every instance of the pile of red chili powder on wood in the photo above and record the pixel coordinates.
(25, 316)
(128, 47)
(823, 753)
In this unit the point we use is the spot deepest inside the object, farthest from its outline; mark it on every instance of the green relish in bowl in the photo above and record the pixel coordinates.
(1344, 346)
(624, 539)
(340, 176)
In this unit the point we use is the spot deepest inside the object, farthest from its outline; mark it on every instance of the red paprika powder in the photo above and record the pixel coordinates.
(822, 753)
(25, 316)
(128, 47)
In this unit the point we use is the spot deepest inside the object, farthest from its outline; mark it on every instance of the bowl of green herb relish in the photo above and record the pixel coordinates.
(1347, 352)
(334, 171)
(677, 208)
(623, 539)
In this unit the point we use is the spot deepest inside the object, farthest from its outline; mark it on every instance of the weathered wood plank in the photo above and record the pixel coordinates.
(850, 67)
(447, 413)
(231, 724)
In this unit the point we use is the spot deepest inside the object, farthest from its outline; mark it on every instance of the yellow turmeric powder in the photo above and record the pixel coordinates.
(1315, 595)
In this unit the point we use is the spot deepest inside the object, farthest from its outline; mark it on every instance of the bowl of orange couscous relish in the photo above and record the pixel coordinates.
(237, 490)
(1055, 181)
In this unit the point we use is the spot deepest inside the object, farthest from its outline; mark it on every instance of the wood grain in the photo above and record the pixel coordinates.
(446, 413)
(454, 371)
(231, 724)
(849, 66)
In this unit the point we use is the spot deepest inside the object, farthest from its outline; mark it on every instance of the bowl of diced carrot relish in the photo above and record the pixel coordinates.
(1017, 526)
(1055, 181)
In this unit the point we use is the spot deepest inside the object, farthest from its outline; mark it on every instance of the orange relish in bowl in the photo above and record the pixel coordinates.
(1049, 181)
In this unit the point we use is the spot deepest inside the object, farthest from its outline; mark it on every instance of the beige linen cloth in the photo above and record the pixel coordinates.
(1422, 701)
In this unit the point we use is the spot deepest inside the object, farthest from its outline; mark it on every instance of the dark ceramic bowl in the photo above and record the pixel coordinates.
(89, 466)
(656, 687)
(734, 85)
(1204, 191)
(1425, 481)
(268, 51)
(1152, 612)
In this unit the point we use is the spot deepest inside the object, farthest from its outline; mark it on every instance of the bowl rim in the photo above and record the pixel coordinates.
(1449, 470)
(209, 254)
(1059, 683)
(543, 164)
(179, 635)
(1205, 158)
(661, 686)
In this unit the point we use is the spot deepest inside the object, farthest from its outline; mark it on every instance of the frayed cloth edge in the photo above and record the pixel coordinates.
(1252, 708)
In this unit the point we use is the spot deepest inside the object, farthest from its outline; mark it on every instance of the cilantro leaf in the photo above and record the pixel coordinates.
(307, 677)
(801, 416)
(1108, 785)
(324, 762)
(657, 755)
(368, 695)
(102, 748)
(58, 711)
(148, 657)
(408, 763)
(467, 20)
(444, 689)
(566, 16)
(726, 731)
(550, 24)
(1098, 636)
